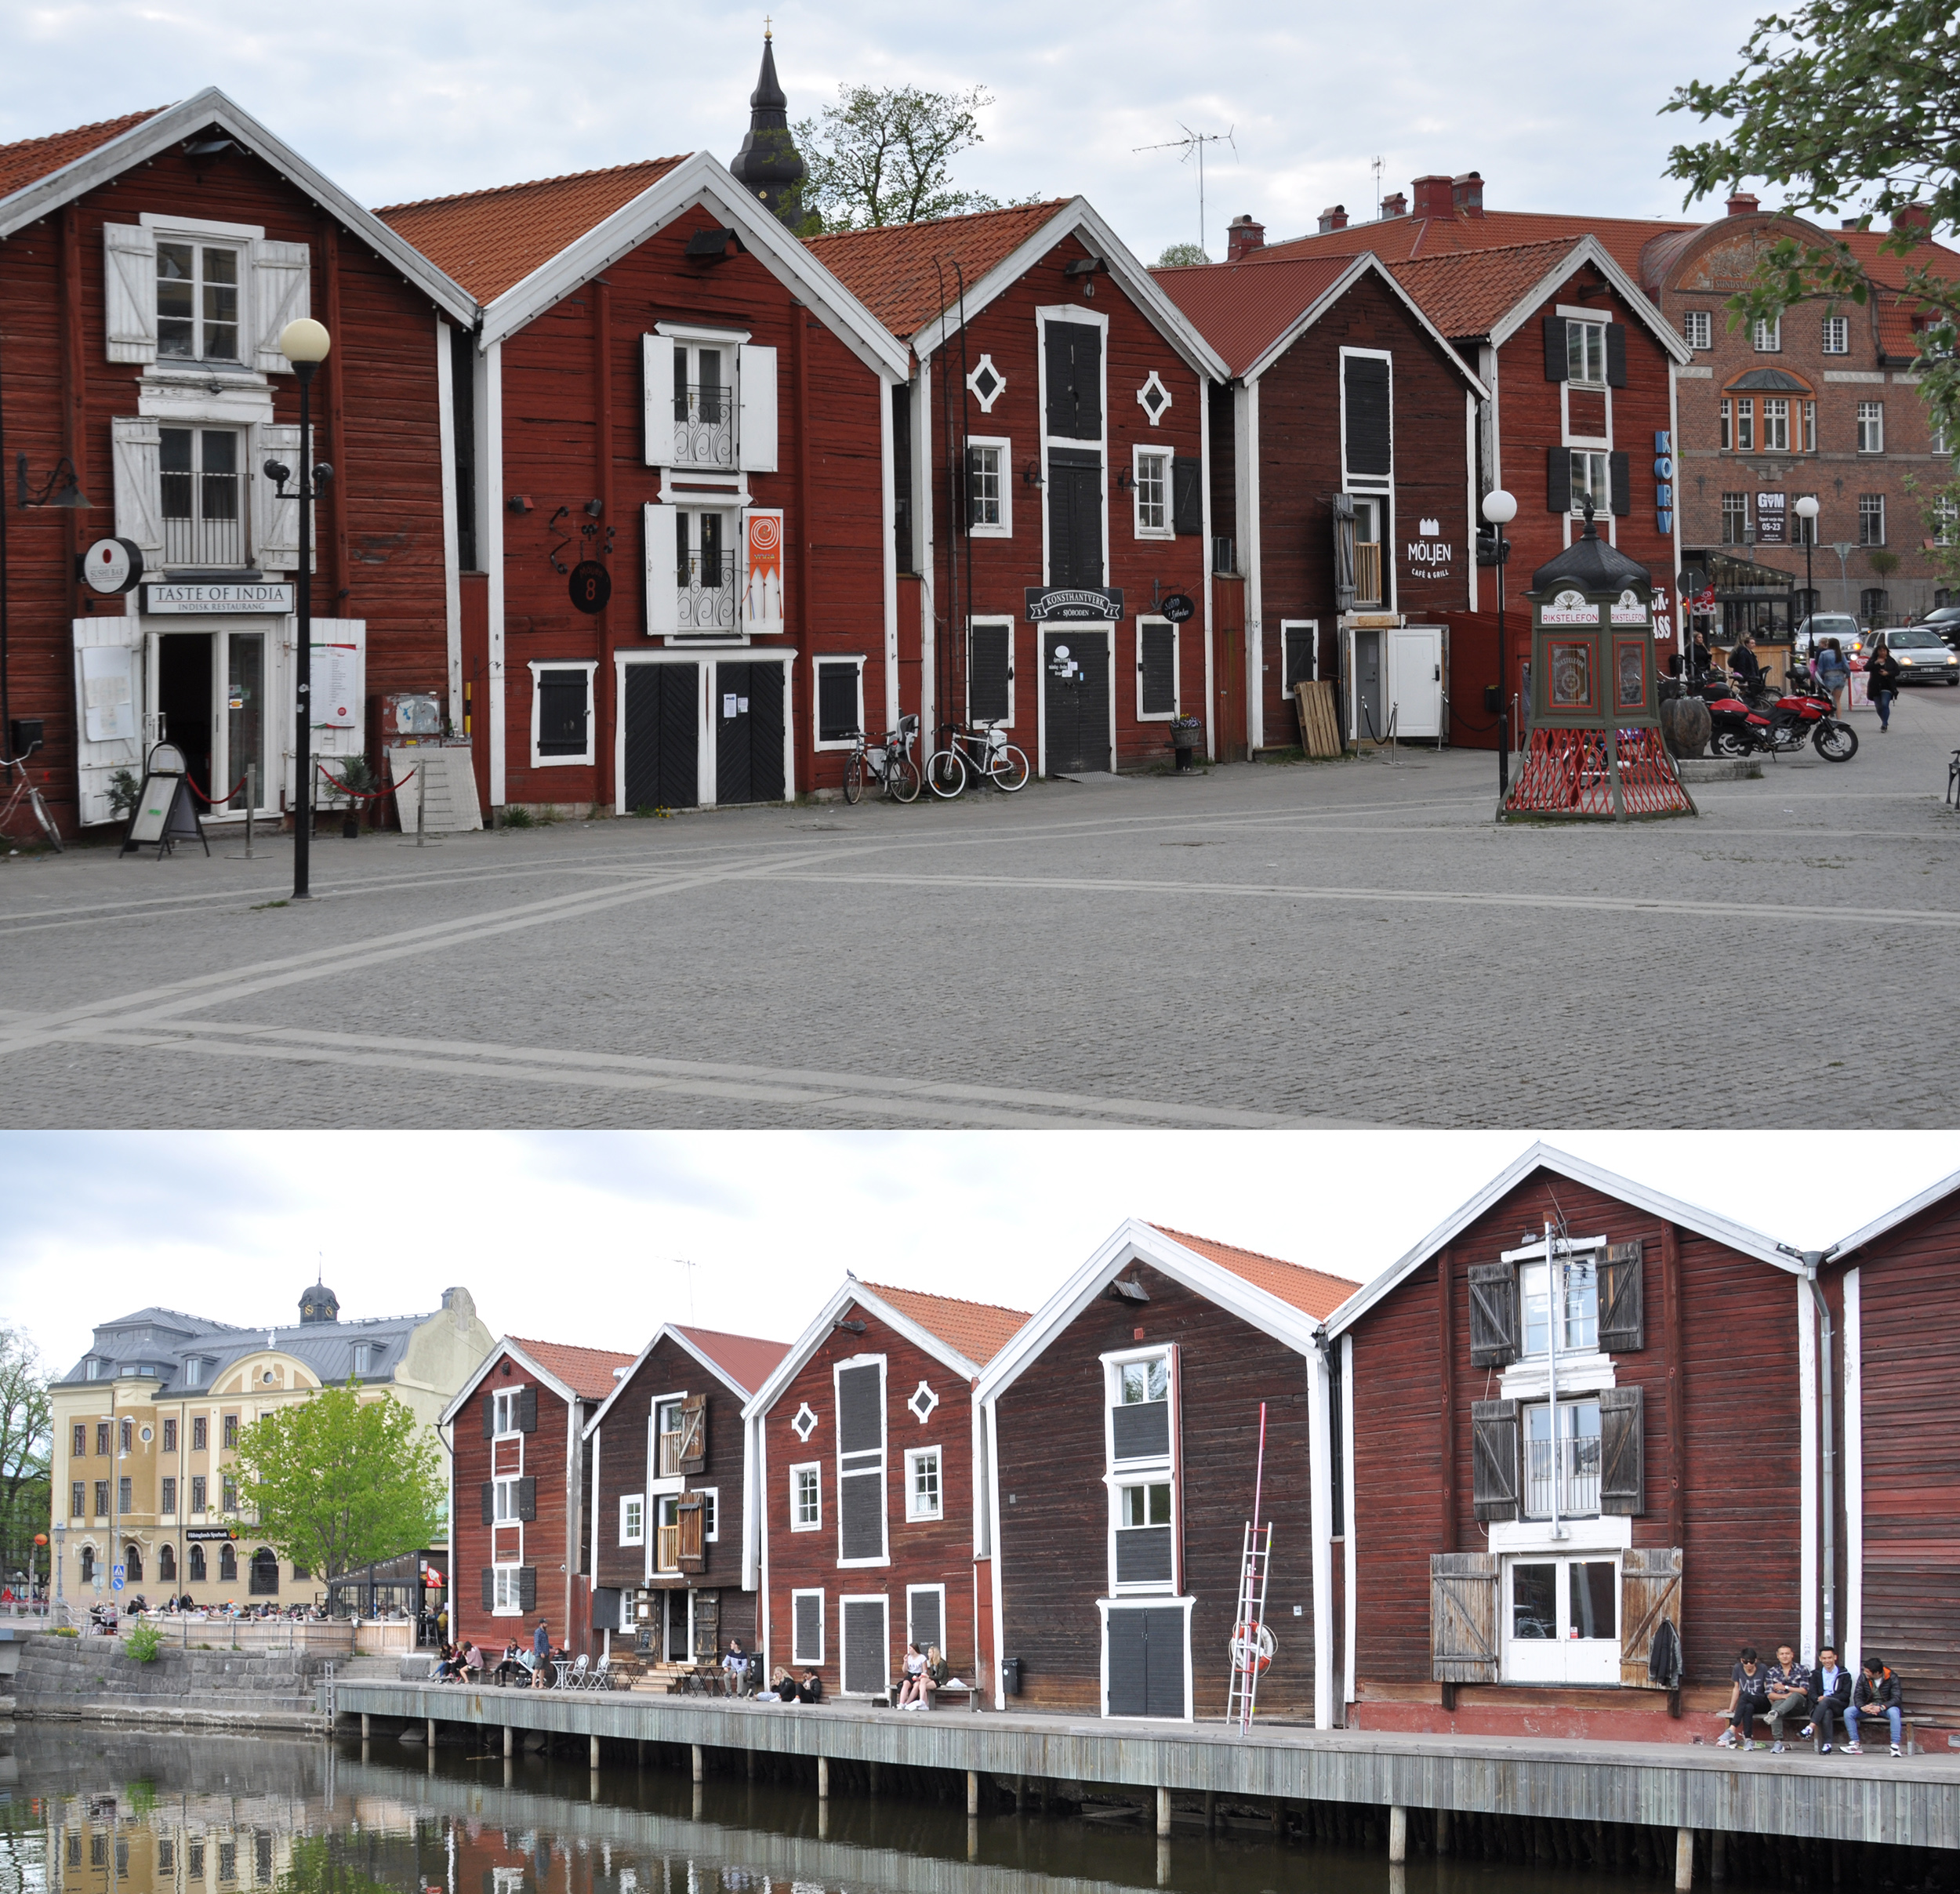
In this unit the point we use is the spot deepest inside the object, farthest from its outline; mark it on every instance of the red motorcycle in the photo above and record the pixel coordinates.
(1744, 721)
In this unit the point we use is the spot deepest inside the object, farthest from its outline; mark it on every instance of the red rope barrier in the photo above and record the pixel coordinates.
(205, 800)
(365, 795)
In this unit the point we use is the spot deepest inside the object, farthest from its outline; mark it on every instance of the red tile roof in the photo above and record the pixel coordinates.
(1401, 239)
(978, 1330)
(490, 240)
(1243, 309)
(587, 1372)
(34, 158)
(746, 1360)
(1313, 1292)
(1466, 292)
(899, 270)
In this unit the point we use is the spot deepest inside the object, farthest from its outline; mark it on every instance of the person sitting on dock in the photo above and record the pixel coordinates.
(1876, 1689)
(510, 1667)
(1789, 1693)
(1749, 1699)
(810, 1690)
(1830, 1698)
(783, 1688)
(911, 1690)
(736, 1664)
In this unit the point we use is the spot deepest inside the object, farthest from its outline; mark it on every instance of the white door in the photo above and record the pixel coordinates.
(1561, 1618)
(1415, 680)
(109, 689)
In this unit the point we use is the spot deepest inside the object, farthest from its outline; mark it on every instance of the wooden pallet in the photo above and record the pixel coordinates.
(1320, 730)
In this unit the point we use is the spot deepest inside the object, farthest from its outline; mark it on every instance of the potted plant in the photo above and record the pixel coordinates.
(357, 779)
(1186, 734)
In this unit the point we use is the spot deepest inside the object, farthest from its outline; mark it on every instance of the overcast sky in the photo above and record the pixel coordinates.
(574, 1237)
(1555, 106)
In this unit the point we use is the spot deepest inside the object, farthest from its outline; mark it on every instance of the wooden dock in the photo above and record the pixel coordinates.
(1910, 1802)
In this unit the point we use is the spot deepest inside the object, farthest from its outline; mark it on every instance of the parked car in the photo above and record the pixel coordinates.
(1944, 619)
(1825, 624)
(1925, 656)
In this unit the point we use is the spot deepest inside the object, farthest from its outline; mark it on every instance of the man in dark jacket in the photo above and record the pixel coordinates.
(1877, 1689)
(1830, 1698)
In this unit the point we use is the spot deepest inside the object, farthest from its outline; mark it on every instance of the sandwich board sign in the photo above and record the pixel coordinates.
(164, 815)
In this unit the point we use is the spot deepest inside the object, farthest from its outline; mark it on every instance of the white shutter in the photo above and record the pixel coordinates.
(339, 683)
(762, 570)
(663, 595)
(108, 655)
(657, 352)
(130, 291)
(275, 520)
(756, 384)
(282, 287)
(138, 486)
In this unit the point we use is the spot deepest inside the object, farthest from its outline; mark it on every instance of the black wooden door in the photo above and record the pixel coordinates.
(1074, 518)
(747, 708)
(1074, 367)
(662, 734)
(1145, 1661)
(1075, 684)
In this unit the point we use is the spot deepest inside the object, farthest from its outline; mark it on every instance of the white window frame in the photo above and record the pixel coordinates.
(504, 1405)
(1002, 445)
(711, 1525)
(813, 1660)
(665, 1484)
(1155, 1470)
(728, 344)
(1697, 328)
(911, 1592)
(814, 1468)
(503, 1494)
(1776, 424)
(1140, 451)
(817, 739)
(1767, 334)
(660, 1501)
(633, 1518)
(915, 1456)
(991, 618)
(506, 1591)
(1177, 673)
(1592, 320)
(1876, 513)
(1312, 628)
(1726, 413)
(883, 1601)
(1837, 336)
(1602, 509)
(1046, 317)
(204, 234)
(1871, 427)
(1809, 427)
(883, 1467)
(1377, 486)
(1117, 1485)
(1745, 424)
(539, 665)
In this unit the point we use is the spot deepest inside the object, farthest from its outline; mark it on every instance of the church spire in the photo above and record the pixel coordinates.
(768, 163)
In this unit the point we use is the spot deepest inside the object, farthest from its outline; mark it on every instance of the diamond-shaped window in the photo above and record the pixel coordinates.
(805, 1423)
(987, 383)
(1154, 398)
(923, 1401)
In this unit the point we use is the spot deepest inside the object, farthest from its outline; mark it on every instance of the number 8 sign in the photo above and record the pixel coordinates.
(591, 587)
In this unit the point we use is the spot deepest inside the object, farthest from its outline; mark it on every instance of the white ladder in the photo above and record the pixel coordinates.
(1252, 1642)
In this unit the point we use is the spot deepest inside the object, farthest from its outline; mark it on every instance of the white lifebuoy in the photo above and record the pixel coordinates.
(1252, 1647)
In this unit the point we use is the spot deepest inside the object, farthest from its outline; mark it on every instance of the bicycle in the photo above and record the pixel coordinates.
(25, 791)
(982, 751)
(889, 762)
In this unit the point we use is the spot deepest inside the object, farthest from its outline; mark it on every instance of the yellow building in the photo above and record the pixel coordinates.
(146, 1424)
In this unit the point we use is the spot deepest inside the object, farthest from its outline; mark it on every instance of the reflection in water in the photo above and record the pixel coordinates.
(86, 1812)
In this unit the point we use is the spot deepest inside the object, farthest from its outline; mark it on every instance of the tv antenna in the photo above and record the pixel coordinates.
(1196, 141)
(681, 1262)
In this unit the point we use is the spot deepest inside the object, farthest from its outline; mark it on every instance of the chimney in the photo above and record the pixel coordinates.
(1243, 236)
(1849, 223)
(1916, 218)
(1466, 193)
(1432, 196)
(1334, 218)
(1394, 205)
(1743, 204)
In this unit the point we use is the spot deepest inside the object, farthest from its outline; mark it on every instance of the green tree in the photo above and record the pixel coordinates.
(884, 155)
(337, 1481)
(1178, 256)
(25, 1444)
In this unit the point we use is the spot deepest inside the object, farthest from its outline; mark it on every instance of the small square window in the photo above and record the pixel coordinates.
(1769, 337)
(922, 1497)
(1586, 353)
(1592, 480)
(1152, 479)
(632, 1520)
(1735, 518)
(989, 499)
(197, 302)
(1153, 398)
(923, 1401)
(806, 1498)
(987, 383)
(1697, 328)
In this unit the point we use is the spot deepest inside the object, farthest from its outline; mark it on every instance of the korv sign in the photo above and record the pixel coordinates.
(249, 595)
(1079, 605)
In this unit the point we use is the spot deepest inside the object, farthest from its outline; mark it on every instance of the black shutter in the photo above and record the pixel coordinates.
(1143, 1555)
(527, 1410)
(989, 673)
(1074, 363)
(861, 1409)
(1156, 646)
(901, 475)
(1187, 496)
(807, 1639)
(1623, 1466)
(1164, 1662)
(561, 714)
(1623, 1310)
(1557, 367)
(1127, 1648)
(527, 1588)
(866, 1662)
(1616, 354)
(1558, 480)
(922, 1610)
(1141, 1431)
(527, 1498)
(861, 1514)
(489, 1415)
(489, 1589)
(1619, 475)
(765, 732)
(1494, 1459)
(1368, 442)
(1075, 519)
(836, 701)
(1493, 1315)
(489, 1503)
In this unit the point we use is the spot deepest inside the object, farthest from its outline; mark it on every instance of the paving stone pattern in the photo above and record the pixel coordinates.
(1350, 942)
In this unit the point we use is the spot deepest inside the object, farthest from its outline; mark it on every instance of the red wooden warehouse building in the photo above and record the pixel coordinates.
(865, 1458)
(1050, 493)
(1121, 1433)
(147, 266)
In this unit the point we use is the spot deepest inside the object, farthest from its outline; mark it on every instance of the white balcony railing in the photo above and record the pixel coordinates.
(203, 519)
(1575, 1465)
(707, 586)
(704, 425)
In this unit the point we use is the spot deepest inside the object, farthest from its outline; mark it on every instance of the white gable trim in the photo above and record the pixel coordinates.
(1589, 250)
(665, 1330)
(1892, 1218)
(172, 126)
(1542, 1156)
(504, 1348)
(1076, 218)
(700, 180)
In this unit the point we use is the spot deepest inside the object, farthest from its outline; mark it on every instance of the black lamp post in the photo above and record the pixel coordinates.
(304, 343)
(1501, 509)
(1807, 511)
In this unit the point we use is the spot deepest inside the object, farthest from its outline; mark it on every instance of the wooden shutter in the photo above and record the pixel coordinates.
(1623, 1479)
(1616, 354)
(1462, 1617)
(861, 1477)
(527, 1410)
(989, 673)
(805, 1645)
(657, 379)
(1342, 506)
(275, 517)
(1623, 1313)
(1125, 1660)
(922, 1617)
(489, 1589)
(527, 1498)
(1163, 1633)
(489, 1502)
(1620, 478)
(867, 1651)
(1366, 428)
(861, 1408)
(1493, 1315)
(527, 1588)
(1156, 669)
(1074, 364)
(1557, 365)
(489, 1416)
(861, 1514)
(1140, 1430)
(763, 567)
(694, 1433)
(561, 713)
(756, 386)
(282, 284)
(1187, 496)
(1143, 1555)
(133, 441)
(836, 701)
(663, 552)
(129, 291)
(1558, 480)
(1494, 1459)
(1075, 519)
(688, 1515)
(1650, 1590)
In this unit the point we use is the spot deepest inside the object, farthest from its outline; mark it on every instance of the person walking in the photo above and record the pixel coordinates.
(1833, 672)
(1882, 681)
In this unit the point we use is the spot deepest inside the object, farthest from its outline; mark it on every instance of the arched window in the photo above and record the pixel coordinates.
(197, 1565)
(167, 1564)
(87, 1565)
(265, 1572)
(133, 1564)
(227, 1564)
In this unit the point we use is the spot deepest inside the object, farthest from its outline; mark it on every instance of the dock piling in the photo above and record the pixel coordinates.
(1163, 1812)
(823, 1779)
(700, 1763)
(973, 1794)
(1684, 1859)
(594, 1752)
(510, 1738)
(871, 1777)
(364, 1726)
(1398, 1834)
(1718, 1857)
(1443, 1831)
